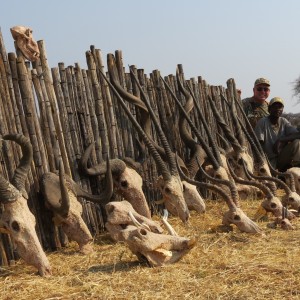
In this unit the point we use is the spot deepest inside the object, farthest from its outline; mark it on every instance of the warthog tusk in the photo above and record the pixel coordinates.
(167, 224)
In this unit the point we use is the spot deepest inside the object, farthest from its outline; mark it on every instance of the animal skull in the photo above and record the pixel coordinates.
(61, 194)
(16, 218)
(25, 42)
(145, 238)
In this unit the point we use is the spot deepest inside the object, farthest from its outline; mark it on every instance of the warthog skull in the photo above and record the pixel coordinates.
(144, 237)
(25, 42)
(16, 218)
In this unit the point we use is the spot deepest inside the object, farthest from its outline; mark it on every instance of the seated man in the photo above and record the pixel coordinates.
(256, 107)
(279, 139)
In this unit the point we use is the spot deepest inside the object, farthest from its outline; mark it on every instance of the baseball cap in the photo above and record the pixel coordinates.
(262, 81)
(276, 100)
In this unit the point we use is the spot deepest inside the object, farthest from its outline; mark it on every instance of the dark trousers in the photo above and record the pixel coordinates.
(289, 156)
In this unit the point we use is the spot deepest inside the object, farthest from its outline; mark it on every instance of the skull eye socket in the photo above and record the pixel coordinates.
(237, 218)
(143, 232)
(291, 199)
(262, 170)
(218, 176)
(167, 190)
(273, 205)
(124, 184)
(15, 226)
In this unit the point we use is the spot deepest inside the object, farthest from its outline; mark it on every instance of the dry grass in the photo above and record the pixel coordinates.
(222, 266)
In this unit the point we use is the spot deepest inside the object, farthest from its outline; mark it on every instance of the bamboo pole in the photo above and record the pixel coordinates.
(52, 100)
(98, 105)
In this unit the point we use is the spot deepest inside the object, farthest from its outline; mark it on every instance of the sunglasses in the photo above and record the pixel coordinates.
(260, 89)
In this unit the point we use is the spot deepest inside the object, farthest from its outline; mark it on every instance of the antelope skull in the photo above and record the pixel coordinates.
(16, 218)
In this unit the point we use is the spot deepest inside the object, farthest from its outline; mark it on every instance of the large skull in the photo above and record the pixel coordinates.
(143, 236)
(19, 222)
(16, 218)
(24, 40)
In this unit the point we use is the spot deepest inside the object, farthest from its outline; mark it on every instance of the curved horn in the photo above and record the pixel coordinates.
(196, 150)
(145, 117)
(211, 187)
(227, 131)
(23, 168)
(268, 178)
(231, 185)
(211, 140)
(259, 185)
(213, 160)
(159, 162)
(107, 193)
(117, 165)
(254, 148)
(8, 193)
(163, 139)
(285, 174)
(235, 121)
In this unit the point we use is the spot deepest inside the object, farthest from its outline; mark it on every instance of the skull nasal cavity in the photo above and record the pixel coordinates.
(237, 218)
(15, 226)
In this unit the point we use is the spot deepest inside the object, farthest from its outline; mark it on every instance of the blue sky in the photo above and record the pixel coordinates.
(215, 39)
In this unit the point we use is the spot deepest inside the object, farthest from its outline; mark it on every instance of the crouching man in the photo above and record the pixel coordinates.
(279, 139)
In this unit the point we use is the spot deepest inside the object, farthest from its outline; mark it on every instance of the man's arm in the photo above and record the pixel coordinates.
(290, 137)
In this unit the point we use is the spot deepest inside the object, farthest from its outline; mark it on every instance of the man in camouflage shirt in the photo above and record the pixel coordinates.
(256, 106)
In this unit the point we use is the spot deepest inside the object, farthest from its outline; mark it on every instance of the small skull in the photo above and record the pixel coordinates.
(23, 37)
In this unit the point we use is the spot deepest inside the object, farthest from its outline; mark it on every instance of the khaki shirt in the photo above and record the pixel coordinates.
(254, 111)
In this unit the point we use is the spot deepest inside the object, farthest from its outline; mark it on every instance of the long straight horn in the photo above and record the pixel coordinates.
(159, 162)
(163, 139)
(23, 168)
(254, 147)
(249, 126)
(226, 129)
(211, 140)
(238, 130)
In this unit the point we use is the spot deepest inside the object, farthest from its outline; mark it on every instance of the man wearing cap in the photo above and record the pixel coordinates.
(256, 106)
(279, 139)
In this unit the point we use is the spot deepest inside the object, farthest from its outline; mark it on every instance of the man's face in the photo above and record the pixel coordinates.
(261, 92)
(276, 109)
